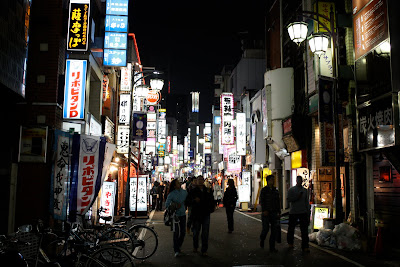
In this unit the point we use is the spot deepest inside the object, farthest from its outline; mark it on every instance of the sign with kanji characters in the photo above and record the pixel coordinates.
(324, 9)
(241, 133)
(325, 93)
(376, 125)
(116, 23)
(114, 58)
(244, 188)
(115, 40)
(227, 106)
(228, 135)
(126, 78)
(75, 86)
(141, 190)
(123, 139)
(234, 160)
(117, 7)
(78, 25)
(124, 108)
(60, 174)
(107, 201)
(327, 144)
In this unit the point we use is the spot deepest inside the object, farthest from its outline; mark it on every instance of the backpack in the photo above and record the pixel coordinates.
(170, 213)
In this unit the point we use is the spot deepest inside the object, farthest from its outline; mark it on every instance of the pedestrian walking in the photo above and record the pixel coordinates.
(299, 211)
(201, 200)
(153, 193)
(230, 198)
(160, 195)
(271, 209)
(177, 197)
(218, 195)
(190, 185)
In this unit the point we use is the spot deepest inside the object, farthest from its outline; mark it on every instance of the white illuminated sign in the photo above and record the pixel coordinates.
(75, 85)
(126, 78)
(228, 137)
(123, 139)
(195, 101)
(241, 133)
(244, 188)
(124, 108)
(227, 107)
(107, 200)
(141, 195)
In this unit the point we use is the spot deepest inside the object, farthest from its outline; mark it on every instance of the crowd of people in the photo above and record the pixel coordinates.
(200, 197)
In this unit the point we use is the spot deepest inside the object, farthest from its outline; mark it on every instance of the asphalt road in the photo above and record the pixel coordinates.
(241, 248)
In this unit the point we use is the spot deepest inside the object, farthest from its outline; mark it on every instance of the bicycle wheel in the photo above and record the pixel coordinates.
(145, 241)
(117, 237)
(110, 256)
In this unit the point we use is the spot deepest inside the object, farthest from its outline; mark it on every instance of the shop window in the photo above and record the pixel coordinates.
(385, 174)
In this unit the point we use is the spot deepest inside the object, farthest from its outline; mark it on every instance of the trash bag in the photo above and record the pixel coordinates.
(313, 237)
(323, 237)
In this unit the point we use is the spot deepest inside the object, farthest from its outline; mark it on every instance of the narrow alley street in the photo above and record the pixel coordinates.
(241, 248)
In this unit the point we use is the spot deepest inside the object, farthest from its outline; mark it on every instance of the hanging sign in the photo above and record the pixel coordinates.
(228, 137)
(241, 133)
(114, 58)
(75, 86)
(153, 97)
(124, 108)
(115, 40)
(116, 23)
(227, 106)
(117, 7)
(234, 160)
(78, 25)
(123, 139)
(126, 78)
(139, 132)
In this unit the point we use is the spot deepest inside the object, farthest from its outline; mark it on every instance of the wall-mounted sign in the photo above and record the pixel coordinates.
(107, 201)
(124, 108)
(126, 78)
(123, 139)
(370, 27)
(325, 93)
(75, 85)
(117, 7)
(227, 106)
(116, 24)
(234, 161)
(169, 144)
(244, 188)
(115, 40)
(139, 123)
(327, 133)
(195, 101)
(78, 25)
(241, 133)
(114, 58)
(228, 137)
(141, 193)
(153, 97)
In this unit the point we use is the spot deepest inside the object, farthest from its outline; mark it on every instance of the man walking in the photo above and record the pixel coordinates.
(299, 210)
(201, 201)
(271, 209)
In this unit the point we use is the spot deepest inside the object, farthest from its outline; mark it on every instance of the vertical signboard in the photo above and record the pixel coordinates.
(185, 149)
(234, 160)
(75, 86)
(241, 133)
(227, 106)
(370, 25)
(141, 193)
(107, 201)
(124, 108)
(123, 139)
(195, 101)
(264, 112)
(78, 25)
(139, 124)
(327, 144)
(126, 78)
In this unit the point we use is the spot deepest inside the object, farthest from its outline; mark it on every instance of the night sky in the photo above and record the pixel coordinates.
(191, 41)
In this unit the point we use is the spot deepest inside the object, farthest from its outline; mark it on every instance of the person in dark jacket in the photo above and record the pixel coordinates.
(201, 201)
(153, 193)
(271, 209)
(230, 198)
(160, 194)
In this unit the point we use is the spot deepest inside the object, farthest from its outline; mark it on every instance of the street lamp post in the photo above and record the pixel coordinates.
(159, 84)
(318, 44)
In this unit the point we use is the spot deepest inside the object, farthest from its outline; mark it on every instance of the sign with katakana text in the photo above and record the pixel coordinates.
(78, 25)
(117, 7)
(241, 133)
(114, 58)
(75, 86)
(116, 24)
(376, 125)
(123, 139)
(107, 201)
(141, 190)
(115, 40)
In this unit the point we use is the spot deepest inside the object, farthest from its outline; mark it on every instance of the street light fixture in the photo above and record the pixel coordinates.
(156, 84)
(319, 44)
(297, 31)
(127, 191)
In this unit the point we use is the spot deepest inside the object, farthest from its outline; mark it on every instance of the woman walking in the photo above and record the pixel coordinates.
(230, 198)
(176, 199)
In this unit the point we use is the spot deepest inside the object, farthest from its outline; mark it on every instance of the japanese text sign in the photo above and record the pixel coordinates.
(241, 133)
(107, 200)
(117, 7)
(124, 108)
(116, 23)
(115, 40)
(234, 160)
(141, 190)
(139, 132)
(114, 57)
(228, 137)
(75, 85)
(123, 139)
(126, 78)
(227, 106)
(78, 30)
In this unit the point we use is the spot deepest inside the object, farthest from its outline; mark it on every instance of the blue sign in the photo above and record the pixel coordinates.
(117, 7)
(115, 40)
(113, 57)
(116, 23)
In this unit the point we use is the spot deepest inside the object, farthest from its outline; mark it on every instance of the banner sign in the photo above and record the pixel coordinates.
(139, 124)
(78, 25)
(124, 108)
(123, 139)
(107, 201)
(142, 193)
(60, 174)
(241, 133)
(75, 86)
(117, 7)
(126, 78)
(87, 165)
